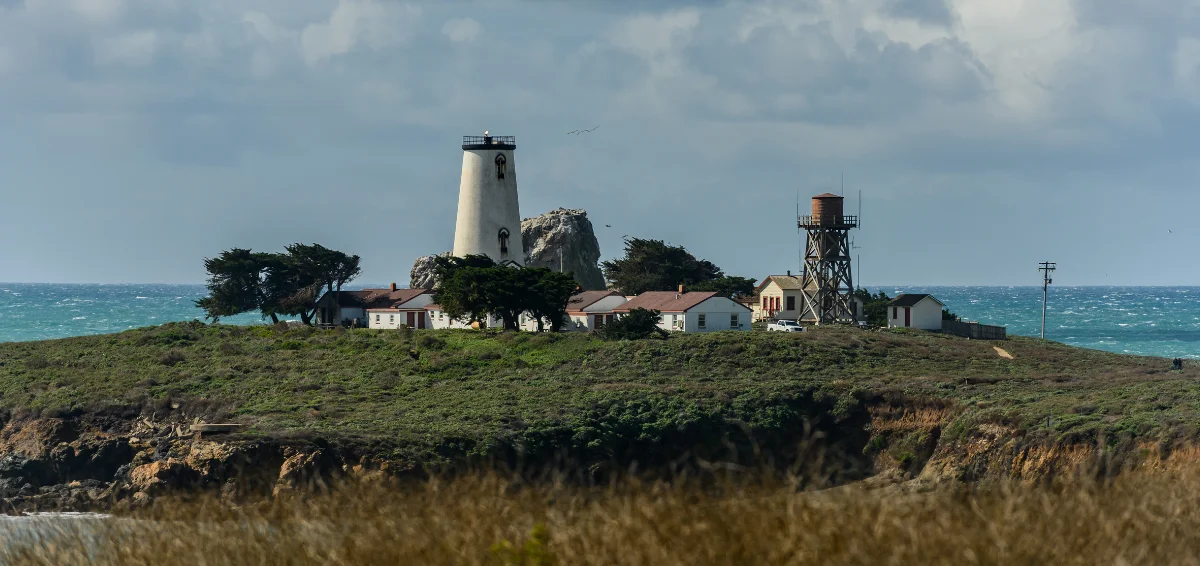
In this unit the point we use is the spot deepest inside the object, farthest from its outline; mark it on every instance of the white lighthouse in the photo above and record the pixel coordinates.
(489, 219)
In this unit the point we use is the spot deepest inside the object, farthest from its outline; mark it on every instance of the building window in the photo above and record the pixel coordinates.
(376, 318)
(791, 303)
(504, 241)
(391, 318)
(439, 315)
(733, 320)
(701, 323)
(894, 313)
(501, 166)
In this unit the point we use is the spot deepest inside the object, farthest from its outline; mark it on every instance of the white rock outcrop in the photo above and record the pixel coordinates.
(564, 239)
(561, 236)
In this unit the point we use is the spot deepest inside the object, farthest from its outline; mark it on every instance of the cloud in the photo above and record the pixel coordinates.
(936, 12)
(461, 30)
(353, 23)
(134, 48)
(917, 100)
(99, 11)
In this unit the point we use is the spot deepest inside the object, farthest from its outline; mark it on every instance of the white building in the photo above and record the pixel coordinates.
(439, 320)
(589, 310)
(691, 311)
(489, 217)
(406, 309)
(349, 308)
(913, 310)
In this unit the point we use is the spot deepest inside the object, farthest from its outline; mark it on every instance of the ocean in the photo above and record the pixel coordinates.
(1152, 321)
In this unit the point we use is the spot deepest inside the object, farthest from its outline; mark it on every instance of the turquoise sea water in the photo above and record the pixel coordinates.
(1158, 321)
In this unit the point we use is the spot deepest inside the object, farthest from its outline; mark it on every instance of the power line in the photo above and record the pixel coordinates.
(1046, 268)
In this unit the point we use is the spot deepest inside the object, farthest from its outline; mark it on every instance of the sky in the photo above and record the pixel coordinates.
(139, 136)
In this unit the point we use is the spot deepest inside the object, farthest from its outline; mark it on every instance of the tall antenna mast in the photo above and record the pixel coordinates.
(858, 255)
(799, 240)
(1046, 268)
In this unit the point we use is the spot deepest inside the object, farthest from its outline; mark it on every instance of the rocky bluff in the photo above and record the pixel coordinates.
(562, 238)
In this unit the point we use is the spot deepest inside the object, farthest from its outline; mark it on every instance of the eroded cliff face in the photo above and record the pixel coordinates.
(96, 463)
(562, 238)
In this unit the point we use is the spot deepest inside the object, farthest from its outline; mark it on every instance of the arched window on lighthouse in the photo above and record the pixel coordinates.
(501, 165)
(504, 241)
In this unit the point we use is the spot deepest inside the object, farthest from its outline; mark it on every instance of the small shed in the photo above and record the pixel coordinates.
(915, 310)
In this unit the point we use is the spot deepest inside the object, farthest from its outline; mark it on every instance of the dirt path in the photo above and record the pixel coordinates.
(1003, 353)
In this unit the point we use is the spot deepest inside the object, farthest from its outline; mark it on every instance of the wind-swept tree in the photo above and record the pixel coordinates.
(234, 283)
(727, 286)
(547, 295)
(275, 283)
(653, 265)
(462, 286)
(473, 287)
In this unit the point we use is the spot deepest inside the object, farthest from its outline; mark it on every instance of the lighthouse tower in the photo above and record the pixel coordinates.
(489, 220)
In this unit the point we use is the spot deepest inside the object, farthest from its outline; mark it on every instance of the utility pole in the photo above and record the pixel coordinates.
(1046, 268)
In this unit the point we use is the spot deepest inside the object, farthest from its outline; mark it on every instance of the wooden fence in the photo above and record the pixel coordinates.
(974, 330)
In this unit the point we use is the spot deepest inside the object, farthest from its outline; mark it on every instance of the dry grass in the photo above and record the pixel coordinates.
(1137, 519)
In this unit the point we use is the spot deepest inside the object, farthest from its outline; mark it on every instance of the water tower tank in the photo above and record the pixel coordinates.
(827, 208)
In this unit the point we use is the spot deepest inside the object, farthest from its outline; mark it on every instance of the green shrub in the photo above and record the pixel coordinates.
(639, 324)
(172, 358)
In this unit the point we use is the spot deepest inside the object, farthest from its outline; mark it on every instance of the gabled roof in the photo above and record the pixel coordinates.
(666, 301)
(911, 299)
(785, 282)
(377, 298)
(585, 299)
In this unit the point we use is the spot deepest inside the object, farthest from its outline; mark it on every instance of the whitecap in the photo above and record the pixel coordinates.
(141, 297)
(79, 318)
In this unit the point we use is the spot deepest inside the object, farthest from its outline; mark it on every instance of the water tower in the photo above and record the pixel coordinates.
(828, 283)
(489, 219)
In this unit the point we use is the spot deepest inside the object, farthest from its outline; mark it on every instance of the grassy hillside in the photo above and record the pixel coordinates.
(447, 393)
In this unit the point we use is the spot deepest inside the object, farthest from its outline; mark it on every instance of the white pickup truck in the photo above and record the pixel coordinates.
(785, 326)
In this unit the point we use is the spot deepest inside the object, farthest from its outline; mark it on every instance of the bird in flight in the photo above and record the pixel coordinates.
(608, 225)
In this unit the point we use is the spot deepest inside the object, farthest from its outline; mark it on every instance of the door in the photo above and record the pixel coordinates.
(421, 320)
(412, 319)
(907, 317)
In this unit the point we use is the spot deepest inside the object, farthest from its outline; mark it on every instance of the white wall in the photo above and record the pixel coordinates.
(395, 319)
(486, 204)
(446, 322)
(717, 313)
(926, 315)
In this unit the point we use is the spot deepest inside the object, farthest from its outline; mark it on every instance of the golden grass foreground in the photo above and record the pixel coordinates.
(487, 520)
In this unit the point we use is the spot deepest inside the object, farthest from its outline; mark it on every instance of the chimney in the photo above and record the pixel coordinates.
(393, 287)
(681, 288)
(789, 273)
